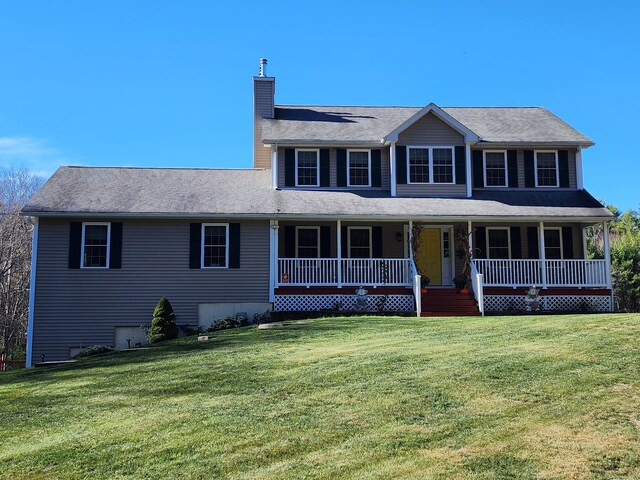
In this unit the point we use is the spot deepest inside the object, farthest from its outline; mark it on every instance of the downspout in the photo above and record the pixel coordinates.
(32, 292)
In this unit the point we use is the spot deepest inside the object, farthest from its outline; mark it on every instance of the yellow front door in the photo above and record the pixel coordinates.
(429, 256)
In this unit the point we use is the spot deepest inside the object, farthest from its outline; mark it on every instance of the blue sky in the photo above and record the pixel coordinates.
(169, 83)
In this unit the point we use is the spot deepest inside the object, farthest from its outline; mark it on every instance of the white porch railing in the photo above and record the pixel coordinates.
(477, 284)
(557, 273)
(354, 272)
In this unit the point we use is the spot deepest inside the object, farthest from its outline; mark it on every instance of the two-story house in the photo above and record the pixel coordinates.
(340, 197)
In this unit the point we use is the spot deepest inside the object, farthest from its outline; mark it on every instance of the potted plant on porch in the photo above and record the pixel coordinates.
(462, 283)
(424, 283)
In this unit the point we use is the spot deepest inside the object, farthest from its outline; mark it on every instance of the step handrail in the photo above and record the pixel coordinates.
(477, 285)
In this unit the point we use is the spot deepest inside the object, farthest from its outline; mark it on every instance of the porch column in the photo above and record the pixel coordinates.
(339, 252)
(585, 253)
(468, 166)
(411, 239)
(273, 255)
(392, 168)
(607, 253)
(543, 266)
(470, 237)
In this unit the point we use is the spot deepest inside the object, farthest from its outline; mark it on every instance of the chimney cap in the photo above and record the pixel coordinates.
(263, 67)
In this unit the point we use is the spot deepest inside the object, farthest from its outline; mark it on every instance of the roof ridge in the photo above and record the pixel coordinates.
(161, 168)
(407, 106)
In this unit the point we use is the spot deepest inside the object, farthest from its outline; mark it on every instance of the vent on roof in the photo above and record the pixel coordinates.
(263, 67)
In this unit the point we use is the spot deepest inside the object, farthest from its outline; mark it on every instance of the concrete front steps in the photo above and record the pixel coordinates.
(447, 302)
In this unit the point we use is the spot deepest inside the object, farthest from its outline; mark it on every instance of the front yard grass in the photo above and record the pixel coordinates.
(353, 398)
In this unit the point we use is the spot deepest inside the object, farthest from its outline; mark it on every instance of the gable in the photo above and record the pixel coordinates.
(430, 130)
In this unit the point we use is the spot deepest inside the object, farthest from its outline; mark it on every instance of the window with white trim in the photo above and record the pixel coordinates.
(430, 164)
(553, 243)
(308, 242)
(546, 168)
(359, 242)
(215, 245)
(95, 245)
(307, 168)
(495, 168)
(359, 165)
(498, 243)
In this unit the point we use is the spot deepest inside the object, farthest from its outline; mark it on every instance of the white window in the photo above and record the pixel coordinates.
(495, 168)
(95, 244)
(307, 168)
(308, 242)
(546, 168)
(553, 244)
(215, 245)
(359, 242)
(359, 165)
(498, 243)
(430, 164)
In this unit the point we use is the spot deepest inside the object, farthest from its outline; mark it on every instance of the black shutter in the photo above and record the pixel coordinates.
(478, 169)
(341, 165)
(376, 242)
(481, 243)
(325, 242)
(567, 242)
(324, 168)
(563, 167)
(195, 245)
(512, 168)
(516, 244)
(115, 255)
(401, 164)
(75, 244)
(234, 245)
(290, 241)
(529, 173)
(376, 169)
(343, 243)
(532, 241)
(461, 165)
(289, 167)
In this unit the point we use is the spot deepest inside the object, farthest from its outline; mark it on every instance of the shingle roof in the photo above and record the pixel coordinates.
(369, 125)
(216, 192)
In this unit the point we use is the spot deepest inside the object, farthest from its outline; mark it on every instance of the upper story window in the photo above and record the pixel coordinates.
(307, 168)
(359, 168)
(495, 168)
(430, 164)
(215, 245)
(546, 168)
(359, 242)
(498, 242)
(95, 245)
(308, 242)
(553, 243)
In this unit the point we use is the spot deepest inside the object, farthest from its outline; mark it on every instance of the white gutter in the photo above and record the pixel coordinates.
(32, 291)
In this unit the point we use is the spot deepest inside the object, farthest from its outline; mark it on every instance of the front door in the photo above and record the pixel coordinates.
(429, 256)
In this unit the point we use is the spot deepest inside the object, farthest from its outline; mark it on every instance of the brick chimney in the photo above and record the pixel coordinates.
(264, 90)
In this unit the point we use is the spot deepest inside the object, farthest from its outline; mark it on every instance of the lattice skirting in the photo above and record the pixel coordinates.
(565, 303)
(311, 303)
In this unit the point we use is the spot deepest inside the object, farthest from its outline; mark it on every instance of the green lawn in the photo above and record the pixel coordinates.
(352, 398)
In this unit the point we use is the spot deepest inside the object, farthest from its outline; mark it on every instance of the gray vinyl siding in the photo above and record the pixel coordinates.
(391, 247)
(431, 190)
(76, 307)
(428, 131)
(520, 162)
(333, 169)
(263, 108)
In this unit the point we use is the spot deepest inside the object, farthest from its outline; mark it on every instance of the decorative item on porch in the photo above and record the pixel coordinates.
(462, 281)
(424, 283)
(285, 278)
(532, 299)
(361, 298)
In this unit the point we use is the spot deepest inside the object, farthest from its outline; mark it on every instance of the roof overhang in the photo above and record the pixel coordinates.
(469, 136)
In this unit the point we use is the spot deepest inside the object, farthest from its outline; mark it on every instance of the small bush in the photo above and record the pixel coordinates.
(264, 317)
(95, 350)
(230, 321)
(163, 323)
